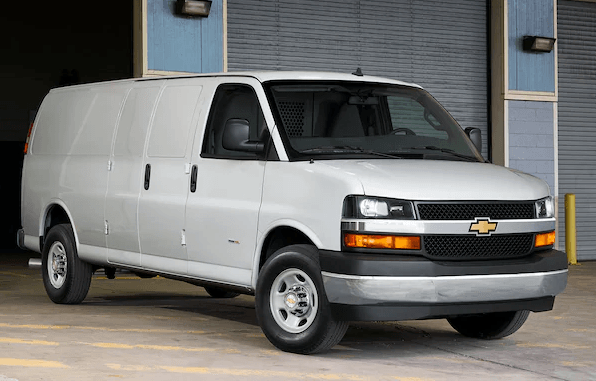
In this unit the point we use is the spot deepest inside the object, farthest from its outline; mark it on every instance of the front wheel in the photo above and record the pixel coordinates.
(65, 277)
(494, 325)
(291, 303)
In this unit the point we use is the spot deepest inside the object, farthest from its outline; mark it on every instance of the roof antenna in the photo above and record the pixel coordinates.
(358, 72)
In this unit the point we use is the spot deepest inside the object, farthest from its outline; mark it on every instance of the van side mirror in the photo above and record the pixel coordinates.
(475, 136)
(236, 137)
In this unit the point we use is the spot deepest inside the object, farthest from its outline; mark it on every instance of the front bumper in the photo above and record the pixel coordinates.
(385, 287)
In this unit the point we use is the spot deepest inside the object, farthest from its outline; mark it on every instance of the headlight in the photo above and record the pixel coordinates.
(545, 208)
(377, 207)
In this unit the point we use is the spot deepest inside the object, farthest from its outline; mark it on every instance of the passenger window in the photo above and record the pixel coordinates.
(233, 101)
(172, 122)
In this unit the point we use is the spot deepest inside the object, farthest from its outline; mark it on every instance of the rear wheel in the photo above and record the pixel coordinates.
(216, 292)
(144, 275)
(65, 277)
(291, 303)
(494, 325)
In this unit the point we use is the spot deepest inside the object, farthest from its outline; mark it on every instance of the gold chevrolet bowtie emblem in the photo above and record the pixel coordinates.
(483, 227)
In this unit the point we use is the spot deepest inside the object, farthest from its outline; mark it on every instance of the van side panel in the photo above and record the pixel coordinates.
(162, 202)
(126, 177)
(69, 156)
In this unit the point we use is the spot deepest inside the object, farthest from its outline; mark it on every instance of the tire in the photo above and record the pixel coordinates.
(65, 277)
(291, 304)
(144, 275)
(216, 292)
(490, 326)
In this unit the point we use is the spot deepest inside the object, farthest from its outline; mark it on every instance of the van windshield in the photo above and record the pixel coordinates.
(335, 120)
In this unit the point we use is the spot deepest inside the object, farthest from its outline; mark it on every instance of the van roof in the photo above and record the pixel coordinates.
(265, 76)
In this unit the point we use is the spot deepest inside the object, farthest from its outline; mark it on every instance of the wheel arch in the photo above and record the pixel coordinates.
(283, 234)
(55, 213)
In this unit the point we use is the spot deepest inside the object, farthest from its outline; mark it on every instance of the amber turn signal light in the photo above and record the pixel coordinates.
(368, 241)
(544, 239)
(26, 149)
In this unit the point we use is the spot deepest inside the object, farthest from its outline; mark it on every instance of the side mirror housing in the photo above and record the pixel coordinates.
(475, 136)
(236, 137)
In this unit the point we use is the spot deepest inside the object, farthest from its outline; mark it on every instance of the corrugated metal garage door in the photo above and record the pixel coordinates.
(577, 119)
(441, 44)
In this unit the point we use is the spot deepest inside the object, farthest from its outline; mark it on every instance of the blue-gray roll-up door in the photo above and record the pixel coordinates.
(439, 44)
(576, 40)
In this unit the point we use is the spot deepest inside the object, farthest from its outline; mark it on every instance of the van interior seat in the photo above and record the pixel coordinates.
(347, 123)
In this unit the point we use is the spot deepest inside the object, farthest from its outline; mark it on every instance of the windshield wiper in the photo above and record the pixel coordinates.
(348, 149)
(447, 151)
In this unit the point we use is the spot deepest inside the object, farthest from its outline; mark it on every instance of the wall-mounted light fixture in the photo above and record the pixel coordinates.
(197, 8)
(538, 44)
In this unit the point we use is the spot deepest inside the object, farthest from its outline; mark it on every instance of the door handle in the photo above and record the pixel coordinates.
(193, 179)
(147, 176)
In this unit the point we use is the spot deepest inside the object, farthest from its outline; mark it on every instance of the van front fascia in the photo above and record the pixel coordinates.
(400, 287)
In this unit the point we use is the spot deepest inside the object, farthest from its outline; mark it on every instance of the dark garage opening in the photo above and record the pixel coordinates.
(48, 44)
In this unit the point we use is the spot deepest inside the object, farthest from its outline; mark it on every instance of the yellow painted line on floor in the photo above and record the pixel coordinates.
(34, 326)
(578, 364)
(580, 330)
(185, 318)
(146, 346)
(450, 359)
(271, 352)
(11, 340)
(31, 363)
(549, 345)
(251, 373)
(137, 330)
(106, 329)
(13, 274)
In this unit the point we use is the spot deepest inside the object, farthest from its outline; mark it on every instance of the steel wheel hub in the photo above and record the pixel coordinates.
(297, 300)
(57, 264)
(293, 300)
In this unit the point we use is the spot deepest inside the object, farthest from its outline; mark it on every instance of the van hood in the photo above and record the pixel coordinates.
(426, 180)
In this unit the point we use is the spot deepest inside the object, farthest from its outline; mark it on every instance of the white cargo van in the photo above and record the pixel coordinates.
(330, 197)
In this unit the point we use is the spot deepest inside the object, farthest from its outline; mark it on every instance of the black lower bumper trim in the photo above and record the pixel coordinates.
(350, 263)
(392, 312)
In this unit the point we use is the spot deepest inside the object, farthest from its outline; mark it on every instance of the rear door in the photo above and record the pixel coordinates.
(125, 173)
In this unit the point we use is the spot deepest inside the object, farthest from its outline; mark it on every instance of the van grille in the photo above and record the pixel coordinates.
(453, 247)
(469, 211)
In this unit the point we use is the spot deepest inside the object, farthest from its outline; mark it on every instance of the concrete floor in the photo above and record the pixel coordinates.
(151, 329)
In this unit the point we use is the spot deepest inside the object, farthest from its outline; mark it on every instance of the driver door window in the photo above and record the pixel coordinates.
(232, 101)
